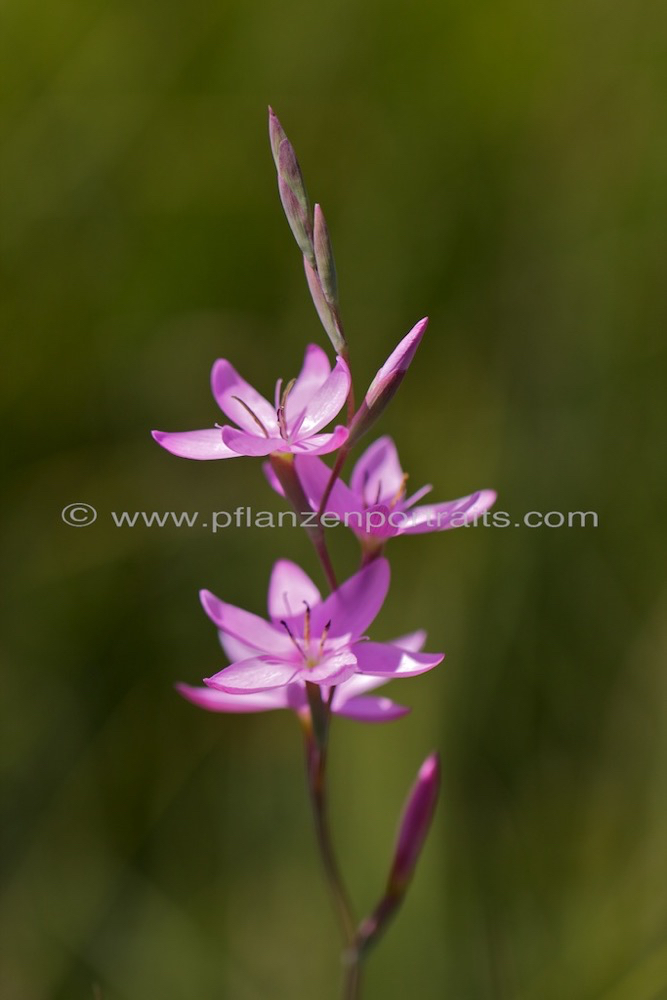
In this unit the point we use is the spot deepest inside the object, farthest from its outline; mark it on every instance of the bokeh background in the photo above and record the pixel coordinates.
(500, 166)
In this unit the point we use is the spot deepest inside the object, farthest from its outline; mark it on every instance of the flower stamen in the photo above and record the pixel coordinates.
(400, 492)
(252, 414)
(280, 409)
(291, 635)
(306, 624)
(325, 632)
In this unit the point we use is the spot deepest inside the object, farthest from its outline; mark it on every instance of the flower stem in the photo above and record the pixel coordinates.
(316, 737)
(367, 934)
(345, 353)
(335, 473)
(283, 466)
(352, 984)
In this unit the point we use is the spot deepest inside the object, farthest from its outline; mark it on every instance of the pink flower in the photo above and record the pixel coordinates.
(292, 424)
(375, 503)
(308, 638)
(350, 698)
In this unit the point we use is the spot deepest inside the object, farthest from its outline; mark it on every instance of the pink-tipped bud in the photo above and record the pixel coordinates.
(415, 823)
(386, 382)
(276, 134)
(292, 189)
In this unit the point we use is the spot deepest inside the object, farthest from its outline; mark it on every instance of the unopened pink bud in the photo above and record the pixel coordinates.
(396, 365)
(415, 823)
(385, 384)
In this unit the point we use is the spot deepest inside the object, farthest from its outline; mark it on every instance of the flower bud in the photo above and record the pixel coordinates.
(327, 313)
(291, 187)
(415, 823)
(324, 258)
(386, 382)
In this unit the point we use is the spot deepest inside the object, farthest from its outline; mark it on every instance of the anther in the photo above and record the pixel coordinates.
(306, 624)
(325, 632)
(288, 388)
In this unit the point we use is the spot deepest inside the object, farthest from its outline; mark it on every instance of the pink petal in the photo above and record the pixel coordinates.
(359, 684)
(314, 373)
(262, 673)
(243, 443)
(249, 628)
(235, 649)
(451, 514)
(379, 520)
(327, 402)
(362, 683)
(377, 476)
(203, 445)
(290, 590)
(321, 444)
(272, 478)
(314, 476)
(226, 383)
(371, 709)
(385, 660)
(417, 495)
(221, 701)
(355, 604)
(334, 670)
(412, 642)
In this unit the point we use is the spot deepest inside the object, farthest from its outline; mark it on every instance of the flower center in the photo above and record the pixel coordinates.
(310, 656)
(397, 498)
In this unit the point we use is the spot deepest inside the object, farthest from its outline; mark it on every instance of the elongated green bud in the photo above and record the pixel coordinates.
(292, 188)
(327, 313)
(326, 267)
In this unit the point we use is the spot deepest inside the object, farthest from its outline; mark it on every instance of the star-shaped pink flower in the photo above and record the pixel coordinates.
(292, 424)
(375, 503)
(308, 638)
(350, 699)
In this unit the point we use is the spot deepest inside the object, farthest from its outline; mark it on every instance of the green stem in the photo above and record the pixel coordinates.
(345, 354)
(352, 984)
(316, 759)
(335, 473)
(366, 936)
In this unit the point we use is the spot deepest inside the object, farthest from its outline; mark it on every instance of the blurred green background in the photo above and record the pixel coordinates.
(500, 167)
